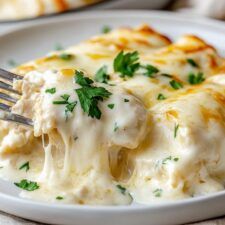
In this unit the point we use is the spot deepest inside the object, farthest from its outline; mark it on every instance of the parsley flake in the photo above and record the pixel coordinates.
(126, 63)
(126, 100)
(169, 158)
(176, 130)
(111, 106)
(175, 159)
(70, 106)
(150, 70)
(158, 192)
(166, 75)
(58, 47)
(59, 198)
(65, 101)
(106, 29)
(101, 75)
(176, 84)
(195, 78)
(82, 80)
(51, 90)
(66, 56)
(161, 96)
(89, 96)
(122, 189)
(65, 98)
(116, 127)
(192, 62)
(25, 166)
(27, 185)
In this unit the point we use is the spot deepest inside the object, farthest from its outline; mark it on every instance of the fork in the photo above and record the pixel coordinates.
(6, 81)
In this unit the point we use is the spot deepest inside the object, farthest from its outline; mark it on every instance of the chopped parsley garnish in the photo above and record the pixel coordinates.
(169, 158)
(70, 106)
(65, 98)
(65, 101)
(126, 63)
(25, 166)
(89, 96)
(116, 127)
(12, 63)
(58, 47)
(106, 29)
(51, 90)
(192, 62)
(195, 78)
(161, 96)
(101, 75)
(122, 189)
(66, 56)
(59, 198)
(176, 130)
(111, 106)
(82, 80)
(27, 185)
(166, 75)
(150, 70)
(158, 192)
(176, 84)
(126, 100)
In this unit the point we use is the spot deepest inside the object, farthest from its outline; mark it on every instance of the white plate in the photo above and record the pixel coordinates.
(36, 39)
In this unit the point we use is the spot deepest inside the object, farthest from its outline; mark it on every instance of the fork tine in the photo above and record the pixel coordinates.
(5, 110)
(8, 87)
(7, 98)
(7, 116)
(9, 76)
(5, 107)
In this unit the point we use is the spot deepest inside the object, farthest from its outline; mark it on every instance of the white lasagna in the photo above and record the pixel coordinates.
(124, 117)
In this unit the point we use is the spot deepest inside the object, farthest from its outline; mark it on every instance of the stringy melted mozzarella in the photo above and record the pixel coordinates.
(77, 147)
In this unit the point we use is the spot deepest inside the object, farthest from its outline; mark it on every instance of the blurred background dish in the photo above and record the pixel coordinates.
(20, 10)
(23, 9)
(11, 10)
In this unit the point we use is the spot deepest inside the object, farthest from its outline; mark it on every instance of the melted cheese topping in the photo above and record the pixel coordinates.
(142, 149)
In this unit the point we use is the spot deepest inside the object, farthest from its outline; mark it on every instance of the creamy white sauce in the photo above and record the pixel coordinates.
(135, 144)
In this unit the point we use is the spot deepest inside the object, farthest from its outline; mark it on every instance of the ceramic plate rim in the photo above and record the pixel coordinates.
(212, 24)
